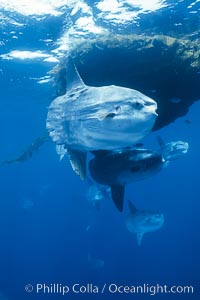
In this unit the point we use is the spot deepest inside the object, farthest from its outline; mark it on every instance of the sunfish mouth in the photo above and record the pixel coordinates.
(155, 112)
(153, 108)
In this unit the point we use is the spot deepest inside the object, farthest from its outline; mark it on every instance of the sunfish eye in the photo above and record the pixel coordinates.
(138, 104)
(135, 104)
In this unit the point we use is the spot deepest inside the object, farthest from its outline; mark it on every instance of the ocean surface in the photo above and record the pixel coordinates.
(50, 234)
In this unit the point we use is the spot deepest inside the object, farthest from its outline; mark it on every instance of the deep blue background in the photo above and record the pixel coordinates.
(49, 243)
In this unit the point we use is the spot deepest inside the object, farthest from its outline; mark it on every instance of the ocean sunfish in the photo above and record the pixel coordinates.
(88, 118)
(140, 222)
(121, 167)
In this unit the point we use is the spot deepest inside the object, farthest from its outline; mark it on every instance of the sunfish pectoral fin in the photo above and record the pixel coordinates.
(106, 116)
(132, 207)
(72, 76)
(117, 192)
(78, 162)
(139, 238)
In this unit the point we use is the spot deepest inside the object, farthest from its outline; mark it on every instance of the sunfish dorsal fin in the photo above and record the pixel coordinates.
(72, 76)
(117, 192)
(132, 207)
(139, 238)
(160, 141)
(78, 162)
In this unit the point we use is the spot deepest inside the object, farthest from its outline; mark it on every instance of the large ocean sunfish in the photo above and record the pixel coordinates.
(90, 118)
(121, 167)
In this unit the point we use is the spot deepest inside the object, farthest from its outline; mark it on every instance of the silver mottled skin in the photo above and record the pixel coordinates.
(92, 118)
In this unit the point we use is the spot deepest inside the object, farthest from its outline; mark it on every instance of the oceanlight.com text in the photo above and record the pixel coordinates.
(111, 288)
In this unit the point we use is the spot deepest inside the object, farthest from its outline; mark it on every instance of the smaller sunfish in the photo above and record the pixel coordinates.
(143, 221)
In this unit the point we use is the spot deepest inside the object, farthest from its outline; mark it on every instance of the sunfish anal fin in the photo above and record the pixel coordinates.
(139, 238)
(78, 162)
(72, 76)
(117, 192)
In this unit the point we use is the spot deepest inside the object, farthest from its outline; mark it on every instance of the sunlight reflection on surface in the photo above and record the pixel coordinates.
(36, 7)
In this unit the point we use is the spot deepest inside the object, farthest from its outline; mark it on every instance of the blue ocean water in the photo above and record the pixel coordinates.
(44, 213)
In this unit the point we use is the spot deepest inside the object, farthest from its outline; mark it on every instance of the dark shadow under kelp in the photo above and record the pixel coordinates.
(161, 67)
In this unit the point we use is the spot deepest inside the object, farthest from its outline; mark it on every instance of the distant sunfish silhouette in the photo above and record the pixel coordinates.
(140, 222)
(90, 118)
(96, 193)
